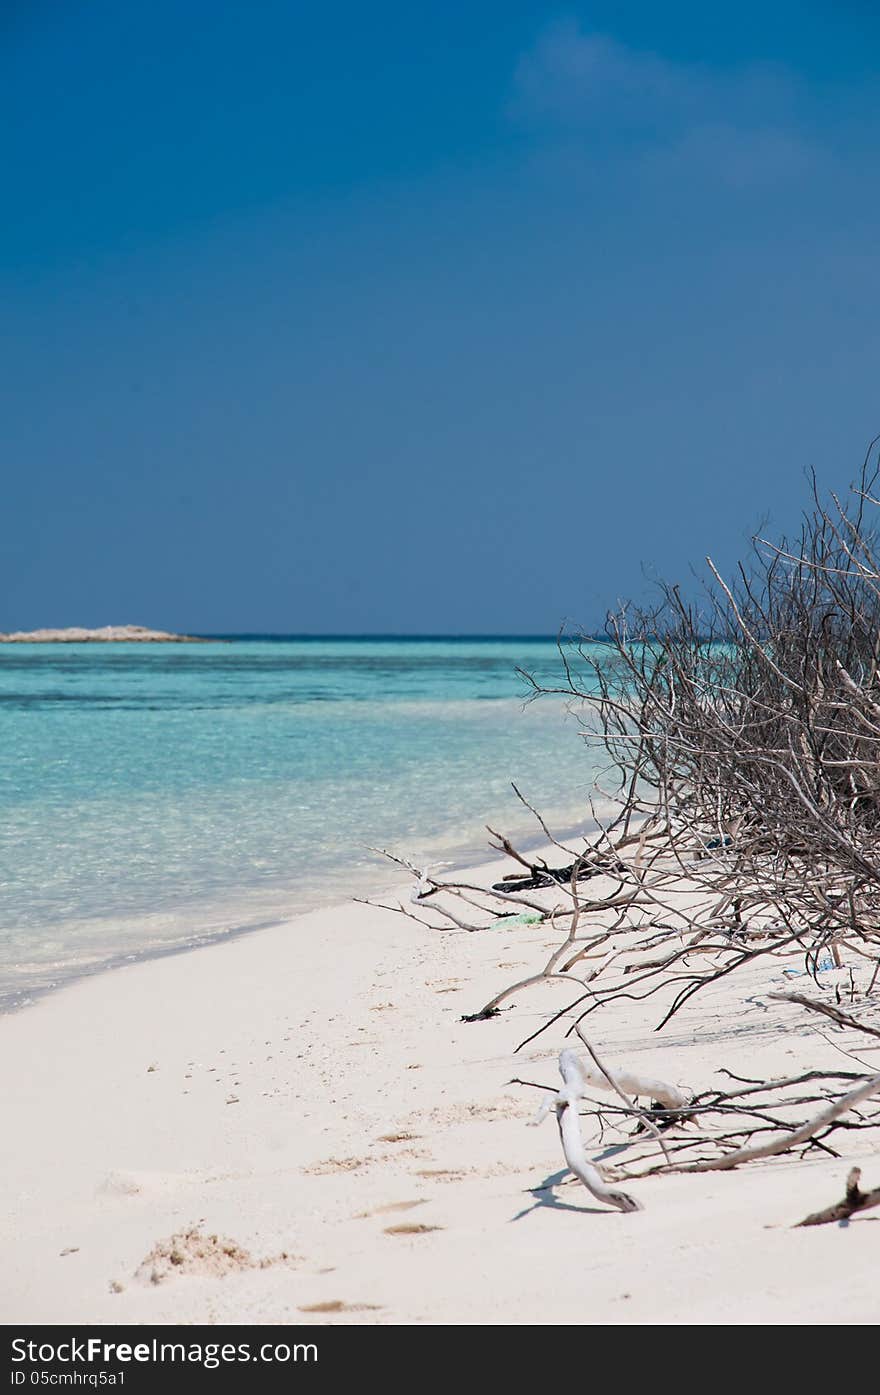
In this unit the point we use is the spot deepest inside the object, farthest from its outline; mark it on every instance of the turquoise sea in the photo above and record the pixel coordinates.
(154, 796)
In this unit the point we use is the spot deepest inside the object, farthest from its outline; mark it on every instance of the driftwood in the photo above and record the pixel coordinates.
(565, 1103)
(708, 1123)
(843, 1019)
(622, 1082)
(736, 825)
(789, 1139)
(854, 1200)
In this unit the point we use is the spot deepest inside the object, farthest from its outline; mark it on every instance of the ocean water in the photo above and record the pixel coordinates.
(154, 796)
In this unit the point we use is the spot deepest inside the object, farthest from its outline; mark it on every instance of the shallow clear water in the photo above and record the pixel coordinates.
(155, 795)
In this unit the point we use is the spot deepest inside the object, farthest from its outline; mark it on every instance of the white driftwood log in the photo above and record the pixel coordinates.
(621, 1082)
(427, 883)
(568, 1118)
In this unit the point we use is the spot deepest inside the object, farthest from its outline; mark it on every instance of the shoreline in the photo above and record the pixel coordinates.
(12, 1001)
(159, 804)
(310, 1092)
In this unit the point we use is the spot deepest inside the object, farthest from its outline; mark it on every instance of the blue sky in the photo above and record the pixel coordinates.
(439, 318)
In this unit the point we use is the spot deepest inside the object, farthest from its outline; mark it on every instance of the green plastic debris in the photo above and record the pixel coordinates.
(527, 918)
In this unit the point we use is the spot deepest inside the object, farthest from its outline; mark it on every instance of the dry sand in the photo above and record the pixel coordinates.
(295, 1127)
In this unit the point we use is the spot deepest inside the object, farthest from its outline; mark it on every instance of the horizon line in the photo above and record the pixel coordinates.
(386, 634)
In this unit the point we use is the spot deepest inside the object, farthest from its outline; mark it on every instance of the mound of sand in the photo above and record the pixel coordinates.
(193, 1252)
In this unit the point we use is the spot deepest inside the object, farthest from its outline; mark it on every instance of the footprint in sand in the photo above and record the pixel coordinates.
(331, 1165)
(336, 1305)
(482, 1113)
(411, 1229)
(391, 1206)
(118, 1184)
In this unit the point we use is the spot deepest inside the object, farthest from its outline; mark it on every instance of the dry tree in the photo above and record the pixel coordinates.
(740, 735)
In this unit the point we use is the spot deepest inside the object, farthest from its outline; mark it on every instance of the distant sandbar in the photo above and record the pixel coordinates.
(109, 634)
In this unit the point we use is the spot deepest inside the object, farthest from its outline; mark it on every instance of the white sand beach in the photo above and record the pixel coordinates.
(478, 405)
(309, 1093)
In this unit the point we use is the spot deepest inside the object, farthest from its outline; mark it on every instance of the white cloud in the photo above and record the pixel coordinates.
(740, 158)
(737, 123)
(571, 75)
